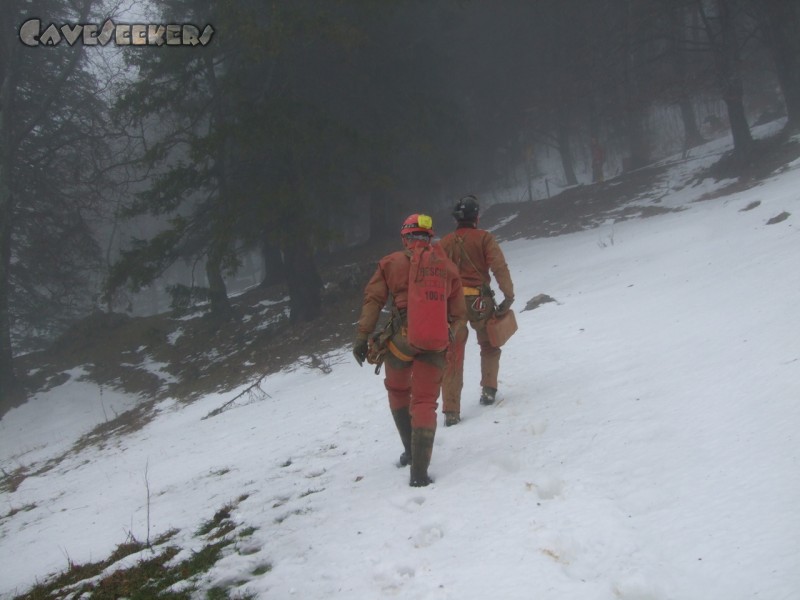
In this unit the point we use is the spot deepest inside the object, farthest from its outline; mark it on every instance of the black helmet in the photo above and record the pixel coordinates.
(466, 209)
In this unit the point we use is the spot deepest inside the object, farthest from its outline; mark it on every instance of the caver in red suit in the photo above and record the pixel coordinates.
(413, 377)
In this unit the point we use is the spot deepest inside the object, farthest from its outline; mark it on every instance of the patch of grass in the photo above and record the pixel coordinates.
(223, 594)
(147, 579)
(132, 546)
(9, 482)
(217, 594)
(150, 577)
(220, 472)
(201, 561)
(262, 569)
(123, 583)
(222, 515)
(14, 511)
(224, 529)
(128, 422)
(165, 537)
(247, 532)
(221, 519)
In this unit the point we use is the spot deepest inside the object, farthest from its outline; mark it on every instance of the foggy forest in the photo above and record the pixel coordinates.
(134, 178)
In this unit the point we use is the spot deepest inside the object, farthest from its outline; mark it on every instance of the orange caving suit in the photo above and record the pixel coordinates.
(413, 377)
(475, 252)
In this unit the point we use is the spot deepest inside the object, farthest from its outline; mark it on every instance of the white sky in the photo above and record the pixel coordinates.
(645, 446)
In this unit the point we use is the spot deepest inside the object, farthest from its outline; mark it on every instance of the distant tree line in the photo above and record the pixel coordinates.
(304, 122)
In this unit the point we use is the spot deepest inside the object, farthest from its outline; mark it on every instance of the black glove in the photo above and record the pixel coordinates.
(502, 309)
(360, 349)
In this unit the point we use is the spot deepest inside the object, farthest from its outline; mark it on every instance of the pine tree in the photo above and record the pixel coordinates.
(50, 145)
(240, 144)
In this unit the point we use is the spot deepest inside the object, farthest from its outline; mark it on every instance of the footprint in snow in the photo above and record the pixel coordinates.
(427, 536)
(537, 427)
(297, 512)
(546, 487)
(391, 579)
(507, 462)
(637, 587)
(409, 505)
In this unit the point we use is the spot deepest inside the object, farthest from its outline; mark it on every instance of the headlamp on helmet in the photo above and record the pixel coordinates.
(417, 224)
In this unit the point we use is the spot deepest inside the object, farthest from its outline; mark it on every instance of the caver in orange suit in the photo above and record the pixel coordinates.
(413, 377)
(475, 252)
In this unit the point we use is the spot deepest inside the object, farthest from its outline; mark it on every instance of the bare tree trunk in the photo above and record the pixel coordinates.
(781, 30)
(9, 385)
(378, 215)
(691, 132)
(740, 129)
(564, 146)
(733, 89)
(217, 291)
(305, 283)
(273, 271)
(726, 55)
(637, 144)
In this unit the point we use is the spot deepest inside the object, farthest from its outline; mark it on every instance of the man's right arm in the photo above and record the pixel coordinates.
(376, 293)
(497, 263)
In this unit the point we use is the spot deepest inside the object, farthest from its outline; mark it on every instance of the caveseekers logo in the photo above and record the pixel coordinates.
(32, 34)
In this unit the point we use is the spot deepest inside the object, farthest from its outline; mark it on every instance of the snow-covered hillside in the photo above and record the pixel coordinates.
(646, 445)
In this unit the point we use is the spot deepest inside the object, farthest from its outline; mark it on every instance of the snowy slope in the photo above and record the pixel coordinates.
(645, 446)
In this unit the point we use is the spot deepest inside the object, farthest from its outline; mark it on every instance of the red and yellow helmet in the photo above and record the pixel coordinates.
(417, 223)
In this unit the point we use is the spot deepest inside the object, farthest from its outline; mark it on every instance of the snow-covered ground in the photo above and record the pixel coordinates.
(646, 443)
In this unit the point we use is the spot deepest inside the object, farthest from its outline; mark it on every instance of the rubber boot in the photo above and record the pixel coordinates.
(421, 450)
(488, 395)
(451, 418)
(403, 422)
